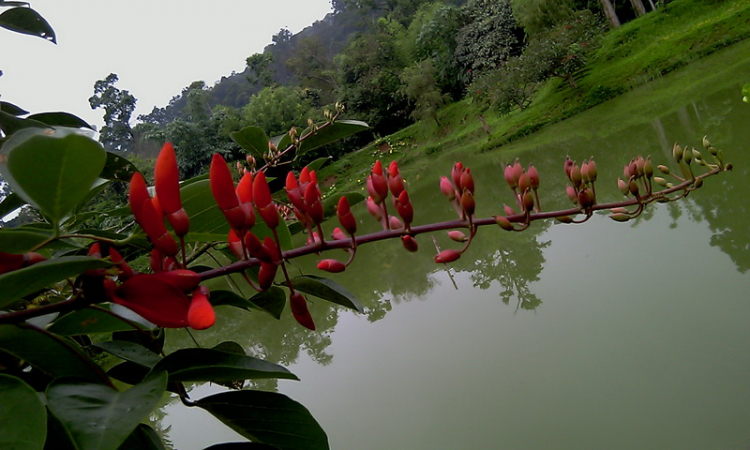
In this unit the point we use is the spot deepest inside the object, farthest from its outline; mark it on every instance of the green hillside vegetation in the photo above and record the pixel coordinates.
(627, 57)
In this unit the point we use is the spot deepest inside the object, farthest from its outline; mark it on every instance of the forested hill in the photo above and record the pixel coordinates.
(390, 62)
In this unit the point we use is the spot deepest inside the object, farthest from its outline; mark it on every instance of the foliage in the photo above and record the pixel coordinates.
(490, 35)
(420, 86)
(118, 106)
(277, 109)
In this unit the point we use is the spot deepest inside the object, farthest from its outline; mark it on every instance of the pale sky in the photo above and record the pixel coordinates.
(156, 47)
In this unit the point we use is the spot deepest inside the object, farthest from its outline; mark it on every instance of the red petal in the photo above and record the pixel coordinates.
(138, 193)
(201, 314)
(261, 191)
(300, 312)
(156, 300)
(222, 185)
(167, 180)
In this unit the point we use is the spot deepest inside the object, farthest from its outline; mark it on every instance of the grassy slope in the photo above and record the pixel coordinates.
(639, 51)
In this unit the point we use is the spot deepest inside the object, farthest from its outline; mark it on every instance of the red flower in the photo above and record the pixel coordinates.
(167, 185)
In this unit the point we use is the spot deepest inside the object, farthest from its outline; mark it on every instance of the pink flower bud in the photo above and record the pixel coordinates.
(458, 236)
(447, 188)
(508, 173)
(395, 223)
(447, 256)
(338, 234)
(533, 176)
(466, 181)
(331, 265)
(375, 210)
(467, 203)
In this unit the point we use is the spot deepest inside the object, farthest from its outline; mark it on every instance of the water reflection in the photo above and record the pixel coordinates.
(639, 333)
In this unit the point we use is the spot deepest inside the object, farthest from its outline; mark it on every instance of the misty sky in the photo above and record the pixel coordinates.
(156, 47)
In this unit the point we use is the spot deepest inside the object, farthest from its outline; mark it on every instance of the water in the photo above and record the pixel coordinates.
(604, 335)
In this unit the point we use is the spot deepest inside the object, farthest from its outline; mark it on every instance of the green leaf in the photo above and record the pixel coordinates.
(58, 437)
(16, 240)
(10, 124)
(327, 290)
(241, 446)
(268, 418)
(22, 282)
(253, 139)
(118, 168)
(52, 169)
(318, 163)
(88, 321)
(99, 417)
(27, 21)
(22, 415)
(129, 372)
(143, 438)
(53, 355)
(60, 119)
(10, 108)
(203, 364)
(330, 133)
(130, 351)
(207, 222)
(10, 203)
(271, 301)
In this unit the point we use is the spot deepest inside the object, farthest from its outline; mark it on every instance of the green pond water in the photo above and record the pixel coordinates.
(597, 336)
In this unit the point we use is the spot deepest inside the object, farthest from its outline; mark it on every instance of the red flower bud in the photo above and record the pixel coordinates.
(346, 218)
(508, 210)
(235, 244)
(528, 200)
(225, 194)
(167, 180)
(312, 203)
(509, 178)
(156, 261)
(298, 305)
(534, 176)
(447, 256)
(377, 187)
(517, 170)
(571, 193)
(137, 194)
(11, 261)
(266, 275)
(293, 191)
(200, 314)
(409, 243)
(504, 223)
(256, 249)
(467, 203)
(377, 168)
(466, 181)
(331, 265)
(125, 270)
(404, 208)
(524, 183)
(456, 172)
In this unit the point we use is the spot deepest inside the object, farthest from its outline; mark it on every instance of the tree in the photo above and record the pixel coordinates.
(277, 109)
(420, 86)
(260, 66)
(118, 106)
(313, 66)
(609, 11)
(489, 37)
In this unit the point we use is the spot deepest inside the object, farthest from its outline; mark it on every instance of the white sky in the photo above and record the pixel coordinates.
(156, 47)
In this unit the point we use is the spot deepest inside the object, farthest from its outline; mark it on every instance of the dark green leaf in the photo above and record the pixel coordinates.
(10, 203)
(10, 108)
(253, 139)
(16, 284)
(331, 133)
(70, 164)
(271, 301)
(143, 438)
(88, 321)
(16, 240)
(118, 168)
(318, 163)
(22, 415)
(130, 351)
(203, 364)
(10, 124)
(99, 417)
(229, 347)
(207, 222)
(27, 21)
(327, 290)
(60, 119)
(57, 436)
(241, 446)
(49, 353)
(128, 372)
(267, 417)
